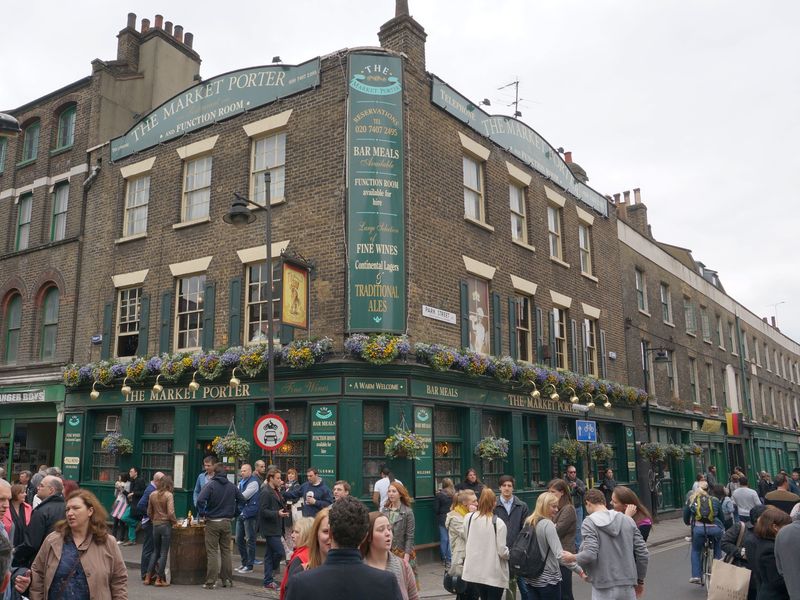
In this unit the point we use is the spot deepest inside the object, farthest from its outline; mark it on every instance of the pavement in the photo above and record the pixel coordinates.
(430, 574)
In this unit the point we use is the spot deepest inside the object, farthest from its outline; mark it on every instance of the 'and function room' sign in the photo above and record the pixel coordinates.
(375, 195)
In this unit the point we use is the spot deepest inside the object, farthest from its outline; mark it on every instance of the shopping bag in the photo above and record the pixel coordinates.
(728, 582)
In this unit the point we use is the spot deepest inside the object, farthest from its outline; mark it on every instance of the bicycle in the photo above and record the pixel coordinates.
(706, 560)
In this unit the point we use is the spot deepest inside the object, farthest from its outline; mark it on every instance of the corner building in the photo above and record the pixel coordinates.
(420, 214)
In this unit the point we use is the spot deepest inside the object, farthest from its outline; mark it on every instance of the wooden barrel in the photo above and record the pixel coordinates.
(187, 555)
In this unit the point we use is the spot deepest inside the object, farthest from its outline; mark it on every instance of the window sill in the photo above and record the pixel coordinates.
(590, 276)
(184, 224)
(645, 313)
(558, 261)
(272, 202)
(721, 347)
(694, 335)
(25, 163)
(61, 150)
(709, 342)
(130, 238)
(480, 224)
(523, 245)
(668, 324)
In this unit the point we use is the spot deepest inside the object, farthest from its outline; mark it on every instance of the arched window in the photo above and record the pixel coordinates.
(66, 127)
(30, 141)
(13, 321)
(49, 323)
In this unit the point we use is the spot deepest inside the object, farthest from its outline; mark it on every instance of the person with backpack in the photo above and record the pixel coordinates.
(537, 555)
(485, 552)
(703, 513)
(613, 552)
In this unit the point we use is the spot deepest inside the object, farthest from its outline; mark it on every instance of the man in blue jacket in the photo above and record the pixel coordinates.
(246, 523)
(314, 493)
(147, 526)
(217, 503)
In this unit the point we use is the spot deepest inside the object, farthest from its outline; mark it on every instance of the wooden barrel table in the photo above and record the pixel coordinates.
(187, 555)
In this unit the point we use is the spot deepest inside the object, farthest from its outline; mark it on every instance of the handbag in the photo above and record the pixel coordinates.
(454, 584)
(728, 582)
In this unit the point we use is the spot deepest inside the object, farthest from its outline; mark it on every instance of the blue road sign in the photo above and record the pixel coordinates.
(586, 431)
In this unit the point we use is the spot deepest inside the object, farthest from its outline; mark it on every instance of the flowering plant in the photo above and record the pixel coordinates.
(568, 448)
(209, 365)
(73, 376)
(504, 369)
(116, 445)
(490, 448)
(476, 364)
(439, 358)
(301, 354)
(694, 449)
(253, 359)
(231, 445)
(676, 451)
(102, 372)
(377, 349)
(653, 452)
(137, 370)
(600, 451)
(404, 444)
(172, 367)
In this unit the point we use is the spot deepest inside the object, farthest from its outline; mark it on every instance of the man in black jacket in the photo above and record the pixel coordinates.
(45, 516)
(344, 576)
(513, 512)
(271, 513)
(217, 504)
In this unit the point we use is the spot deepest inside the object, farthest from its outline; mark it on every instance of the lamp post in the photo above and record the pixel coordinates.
(662, 357)
(240, 215)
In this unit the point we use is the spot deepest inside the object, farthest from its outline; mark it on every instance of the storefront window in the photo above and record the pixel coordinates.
(294, 452)
(607, 435)
(158, 427)
(532, 465)
(491, 425)
(105, 466)
(372, 446)
(446, 445)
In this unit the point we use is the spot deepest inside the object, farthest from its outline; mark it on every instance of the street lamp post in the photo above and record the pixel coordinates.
(240, 215)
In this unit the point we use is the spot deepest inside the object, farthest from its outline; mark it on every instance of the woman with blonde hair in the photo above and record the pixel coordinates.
(398, 510)
(80, 559)
(319, 539)
(298, 561)
(376, 550)
(486, 553)
(464, 503)
(548, 585)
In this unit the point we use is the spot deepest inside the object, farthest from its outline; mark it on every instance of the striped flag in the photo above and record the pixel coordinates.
(734, 423)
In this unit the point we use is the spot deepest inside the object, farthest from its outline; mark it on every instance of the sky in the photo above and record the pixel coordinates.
(696, 103)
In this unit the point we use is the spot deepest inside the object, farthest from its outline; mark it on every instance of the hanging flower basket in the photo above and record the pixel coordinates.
(694, 449)
(675, 451)
(601, 452)
(655, 453)
(568, 448)
(231, 445)
(116, 445)
(404, 444)
(490, 448)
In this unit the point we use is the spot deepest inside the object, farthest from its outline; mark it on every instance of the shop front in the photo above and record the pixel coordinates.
(30, 427)
(709, 435)
(774, 450)
(676, 478)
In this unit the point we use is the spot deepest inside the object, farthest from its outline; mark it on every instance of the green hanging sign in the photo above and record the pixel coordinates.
(423, 464)
(73, 437)
(323, 440)
(375, 195)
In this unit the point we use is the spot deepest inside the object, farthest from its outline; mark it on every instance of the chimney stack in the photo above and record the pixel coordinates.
(131, 21)
(772, 319)
(627, 195)
(159, 21)
(168, 27)
(402, 34)
(178, 33)
(188, 39)
(616, 199)
(568, 157)
(637, 196)
(145, 25)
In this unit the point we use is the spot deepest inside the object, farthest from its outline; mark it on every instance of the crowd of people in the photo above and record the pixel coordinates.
(754, 526)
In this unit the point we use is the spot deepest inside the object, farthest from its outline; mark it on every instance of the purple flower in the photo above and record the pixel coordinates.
(230, 358)
(118, 370)
(154, 365)
(85, 373)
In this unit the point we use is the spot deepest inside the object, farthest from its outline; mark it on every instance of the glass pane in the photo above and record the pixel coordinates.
(158, 421)
(374, 420)
(445, 423)
(216, 416)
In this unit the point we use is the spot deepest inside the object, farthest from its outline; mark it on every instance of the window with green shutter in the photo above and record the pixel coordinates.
(13, 320)
(49, 324)
(30, 141)
(66, 128)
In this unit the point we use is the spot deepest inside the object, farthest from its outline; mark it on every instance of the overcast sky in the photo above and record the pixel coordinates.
(697, 103)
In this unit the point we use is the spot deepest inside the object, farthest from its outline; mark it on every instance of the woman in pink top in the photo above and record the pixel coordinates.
(626, 501)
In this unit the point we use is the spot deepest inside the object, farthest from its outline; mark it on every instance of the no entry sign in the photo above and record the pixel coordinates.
(270, 432)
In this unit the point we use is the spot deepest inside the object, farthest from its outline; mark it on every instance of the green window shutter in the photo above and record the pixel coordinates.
(552, 338)
(287, 333)
(464, 314)
(209, 303)
(573, 345)
(539, 335)
(512, 328)
(144, 325)
(235, 312)
(603, 372)
(584, 350)
(165, 327)
(497, 326)
(108, 323)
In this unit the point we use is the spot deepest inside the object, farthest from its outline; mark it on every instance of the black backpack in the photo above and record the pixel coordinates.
(525, 557)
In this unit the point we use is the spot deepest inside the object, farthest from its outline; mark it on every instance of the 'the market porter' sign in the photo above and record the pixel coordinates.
(375, 200)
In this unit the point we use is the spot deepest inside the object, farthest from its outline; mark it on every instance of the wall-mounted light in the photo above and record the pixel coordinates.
(607, 403)
(193, 385)
(126, 389)
(158, 388)
(235, 381)
(535, 391)
(95, 393)
(554, 395)
(572, 398)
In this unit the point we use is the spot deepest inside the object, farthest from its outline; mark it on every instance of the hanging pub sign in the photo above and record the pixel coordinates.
(294, 295)
(376, 272)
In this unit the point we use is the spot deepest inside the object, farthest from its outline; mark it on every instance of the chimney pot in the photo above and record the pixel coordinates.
(188, 39)
(159, 21)
(616, 199)
(178, 33)
(145, 25)
(627, 195)
(132, 20)
(637, 196)
(764, 319)
(168, 27)
(568, 157)
(772, 319)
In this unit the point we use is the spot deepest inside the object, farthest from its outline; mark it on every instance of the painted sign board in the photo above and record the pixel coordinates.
(73, 435)
(423, 464)
(376, 269)
(270, 432)
(323, 439)
(215, 100)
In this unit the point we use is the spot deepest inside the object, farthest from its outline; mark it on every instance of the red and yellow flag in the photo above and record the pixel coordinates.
(734, 423)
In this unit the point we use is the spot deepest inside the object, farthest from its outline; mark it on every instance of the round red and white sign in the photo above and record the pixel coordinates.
(270, 432)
